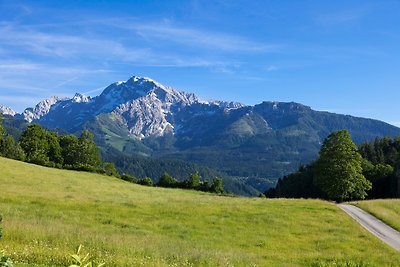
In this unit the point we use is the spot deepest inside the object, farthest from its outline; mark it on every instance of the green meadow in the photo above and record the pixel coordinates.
(48, 212)
(387, 210)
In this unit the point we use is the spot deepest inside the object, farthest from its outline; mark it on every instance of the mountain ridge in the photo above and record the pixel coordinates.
(255, 144)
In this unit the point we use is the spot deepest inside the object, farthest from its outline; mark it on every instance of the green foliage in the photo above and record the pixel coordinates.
(146, 181)
(180, 170)
(40, 146)
(338, 171)
(129, 178)
(89, 152)
(5, 261)
(216, 186)
(1, 229)
(78, 260)
(70, 149)
(8, 147)
(82, 153)
(194, 181)
(2, 130)
(299, 184)
(167, 180)
(110, 170)
(381, 166)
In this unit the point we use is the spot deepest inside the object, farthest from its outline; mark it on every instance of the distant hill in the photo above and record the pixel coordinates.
(252, 144)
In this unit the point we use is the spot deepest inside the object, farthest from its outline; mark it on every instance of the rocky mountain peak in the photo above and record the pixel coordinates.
(80, 98)
(7, 111)
(41, 109)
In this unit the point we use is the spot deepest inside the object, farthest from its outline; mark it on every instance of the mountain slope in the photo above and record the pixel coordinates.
(255, 144)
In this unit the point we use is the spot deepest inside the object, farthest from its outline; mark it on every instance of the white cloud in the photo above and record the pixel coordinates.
(343, 16)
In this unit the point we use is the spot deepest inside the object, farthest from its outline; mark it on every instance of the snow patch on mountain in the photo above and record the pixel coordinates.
(7, 111)
(142, 105)
(41, 109)
(80, 98)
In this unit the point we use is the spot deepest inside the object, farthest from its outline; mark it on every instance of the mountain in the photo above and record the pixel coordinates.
(7, 111)
(252, 144)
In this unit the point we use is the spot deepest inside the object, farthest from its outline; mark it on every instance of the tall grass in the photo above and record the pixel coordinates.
(388, 210)
(48, 212)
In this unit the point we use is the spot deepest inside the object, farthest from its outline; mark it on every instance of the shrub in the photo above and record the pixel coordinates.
(216, 186)
(167, 180)
(129, 178)
(146, 181)
(110, 169)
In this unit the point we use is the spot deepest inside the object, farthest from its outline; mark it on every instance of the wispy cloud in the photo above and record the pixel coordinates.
(343, 17)
(94, 91)
(198, 38)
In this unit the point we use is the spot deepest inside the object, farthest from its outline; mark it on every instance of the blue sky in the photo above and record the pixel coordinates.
(339, 56)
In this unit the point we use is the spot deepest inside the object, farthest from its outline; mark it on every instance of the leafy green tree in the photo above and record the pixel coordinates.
(88, 152)
(194, 181)
(129, 178)
(110, 169)
(10, 149)
(146, 181)
(338, 171)
(35, 144)
(69, 149)
(167, 180)
(54, 149)
(7, 146)
(216, 186)
(41, 147)
(80, 153)
(2, 130)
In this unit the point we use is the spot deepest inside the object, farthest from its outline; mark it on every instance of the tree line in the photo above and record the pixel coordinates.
(344, 171)
(42, 147)
(193, 182)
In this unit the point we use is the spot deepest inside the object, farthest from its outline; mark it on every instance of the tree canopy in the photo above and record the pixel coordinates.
(338, 171)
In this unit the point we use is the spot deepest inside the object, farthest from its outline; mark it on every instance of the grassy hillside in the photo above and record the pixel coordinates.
(48, 212)
(388, 210)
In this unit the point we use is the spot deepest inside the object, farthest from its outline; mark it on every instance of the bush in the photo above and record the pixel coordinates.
(216, 186)
(146, 181)
(167, 180)
(110, 169)
(129, 178)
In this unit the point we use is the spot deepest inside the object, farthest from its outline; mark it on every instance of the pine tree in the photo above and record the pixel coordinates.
(338, 170)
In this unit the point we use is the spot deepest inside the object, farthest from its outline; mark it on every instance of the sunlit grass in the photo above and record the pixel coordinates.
(48, 212)
(388, 210)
